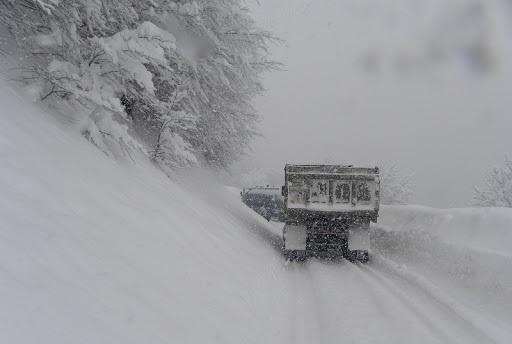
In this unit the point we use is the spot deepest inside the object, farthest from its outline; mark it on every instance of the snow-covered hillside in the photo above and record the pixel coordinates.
(94, 251)
(98, 251)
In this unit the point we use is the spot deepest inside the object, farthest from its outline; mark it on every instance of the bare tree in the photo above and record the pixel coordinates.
(394, 187)
(497, 188)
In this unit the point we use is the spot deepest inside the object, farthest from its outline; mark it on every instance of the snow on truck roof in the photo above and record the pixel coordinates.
(330, 169)
(263, 190)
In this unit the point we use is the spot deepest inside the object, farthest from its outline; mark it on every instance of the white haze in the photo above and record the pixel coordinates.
(360, 87)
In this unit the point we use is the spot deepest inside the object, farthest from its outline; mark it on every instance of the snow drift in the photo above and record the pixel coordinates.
(98, 251)
(483, 228)
(467, 251)
(94, 250)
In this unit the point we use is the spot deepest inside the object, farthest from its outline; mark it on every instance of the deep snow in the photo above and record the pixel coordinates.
(98, 251)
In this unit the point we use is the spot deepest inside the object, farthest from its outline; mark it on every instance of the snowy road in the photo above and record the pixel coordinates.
(398, 297)
(365, 304)
(382, 301)
(98, 251)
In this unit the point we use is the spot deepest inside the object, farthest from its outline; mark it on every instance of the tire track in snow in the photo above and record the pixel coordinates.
(347, 308)
(318, 313)
(409, 303)
(384, 311)
(396, 312)
(294, 303)
(382, 295)
(327, 292)
(481, 329)
(343, 303)
(297, 306)
(305, 326)
(377, 302)
(358, 305)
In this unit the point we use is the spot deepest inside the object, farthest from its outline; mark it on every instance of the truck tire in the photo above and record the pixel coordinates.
(290, 255)
(357, 255)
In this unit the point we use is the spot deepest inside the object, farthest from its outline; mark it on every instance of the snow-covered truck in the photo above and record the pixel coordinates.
(328, 210)
(267, 201)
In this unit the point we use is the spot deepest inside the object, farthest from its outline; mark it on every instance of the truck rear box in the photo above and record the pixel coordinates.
(328, 209)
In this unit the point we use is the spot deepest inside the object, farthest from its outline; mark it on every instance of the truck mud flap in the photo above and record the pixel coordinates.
(294, 237)
(359, 239)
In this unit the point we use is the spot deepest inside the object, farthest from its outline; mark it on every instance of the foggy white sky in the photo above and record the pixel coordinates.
(362, 87)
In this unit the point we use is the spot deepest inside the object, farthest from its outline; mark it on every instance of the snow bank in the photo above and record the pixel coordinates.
(98, 251)
(484, 228)
(95, 251)
(464, 250)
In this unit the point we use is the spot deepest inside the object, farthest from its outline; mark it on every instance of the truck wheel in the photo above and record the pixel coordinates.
(363, 256)
(301, 255)
(290, 255)
(359, 255)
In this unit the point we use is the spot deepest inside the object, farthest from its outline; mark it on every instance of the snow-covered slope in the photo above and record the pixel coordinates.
(94, 251)
(482, 228)
(98, 251)
(464, 253)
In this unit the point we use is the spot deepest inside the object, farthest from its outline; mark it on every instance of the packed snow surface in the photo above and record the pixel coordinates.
(94, 250)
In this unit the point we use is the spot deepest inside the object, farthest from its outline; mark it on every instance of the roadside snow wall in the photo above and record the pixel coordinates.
(98, 251)
(483, 228)
(468, 250)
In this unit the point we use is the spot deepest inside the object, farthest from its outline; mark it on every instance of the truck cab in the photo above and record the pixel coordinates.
(328, 210)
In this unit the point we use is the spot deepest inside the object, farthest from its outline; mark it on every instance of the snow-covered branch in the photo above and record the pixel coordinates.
(497, 188)
(183, 74)
(394, 187)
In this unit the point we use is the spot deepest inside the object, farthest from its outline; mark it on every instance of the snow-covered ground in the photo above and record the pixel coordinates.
(98, 251)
